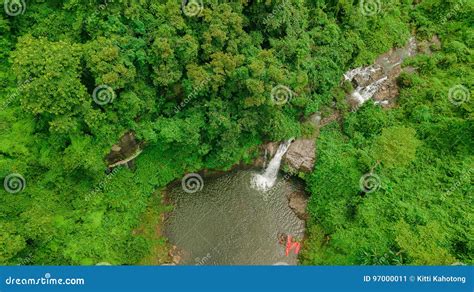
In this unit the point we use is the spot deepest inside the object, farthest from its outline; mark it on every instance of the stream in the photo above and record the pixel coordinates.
(238, 218)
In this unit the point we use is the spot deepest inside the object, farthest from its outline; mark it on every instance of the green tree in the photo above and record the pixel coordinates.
(396, 146)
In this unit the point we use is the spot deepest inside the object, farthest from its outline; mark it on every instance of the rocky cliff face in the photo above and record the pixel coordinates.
(301, 155)
(379, 80)
(298, 201)
(123, 151)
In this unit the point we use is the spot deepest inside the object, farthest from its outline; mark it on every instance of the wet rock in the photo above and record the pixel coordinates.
(298, 201)
(126, 148)
(267, 151)
(282, 238)
(379, 80)
(271, 148)
(260, 161)
(315, 119)
(176, 254)
(301, 155)
(116, 148)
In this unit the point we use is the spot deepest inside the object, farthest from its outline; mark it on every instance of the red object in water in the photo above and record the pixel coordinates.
(292, 245)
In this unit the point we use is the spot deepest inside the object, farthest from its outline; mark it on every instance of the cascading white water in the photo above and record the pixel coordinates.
(362, 94)
(371, 78)
(265, 181)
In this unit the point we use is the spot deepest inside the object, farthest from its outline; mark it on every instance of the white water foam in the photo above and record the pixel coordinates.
(266, 180)
(362, 94)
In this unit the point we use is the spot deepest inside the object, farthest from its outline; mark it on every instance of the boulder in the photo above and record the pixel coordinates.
(297, 201)
(176, 255)
(124, 151)
(315, 119)
(301, 155)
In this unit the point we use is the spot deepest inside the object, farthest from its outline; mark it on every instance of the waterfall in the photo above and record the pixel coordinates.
(383, 72)
(266, 180)
(362, 94)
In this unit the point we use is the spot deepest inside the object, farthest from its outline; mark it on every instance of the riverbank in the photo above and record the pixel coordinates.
(151, 228)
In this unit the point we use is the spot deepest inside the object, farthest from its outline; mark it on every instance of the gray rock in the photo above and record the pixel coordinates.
(315, 119)
(125, 148)
(272, 148)
(297, 201)
(176, 255)
(301, 155)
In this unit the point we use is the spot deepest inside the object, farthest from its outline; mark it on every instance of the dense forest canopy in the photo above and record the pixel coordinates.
(202, 86)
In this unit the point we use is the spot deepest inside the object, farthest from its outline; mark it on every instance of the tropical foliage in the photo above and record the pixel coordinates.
(196, 89)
